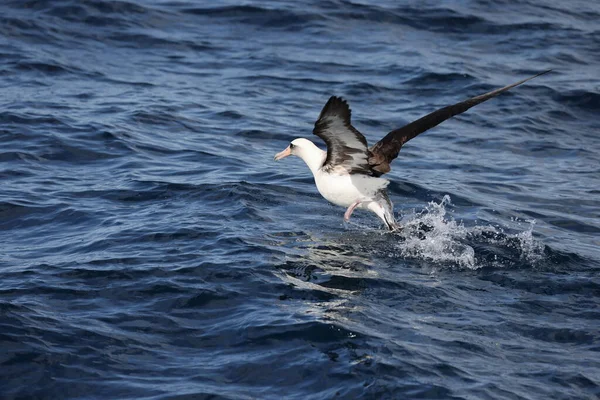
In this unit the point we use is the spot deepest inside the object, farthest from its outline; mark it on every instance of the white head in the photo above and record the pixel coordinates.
(307, 151)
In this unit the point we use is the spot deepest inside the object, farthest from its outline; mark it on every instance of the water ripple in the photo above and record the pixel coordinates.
(152, 249)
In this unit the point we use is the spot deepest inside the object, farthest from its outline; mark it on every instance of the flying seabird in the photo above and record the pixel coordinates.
(348, 173)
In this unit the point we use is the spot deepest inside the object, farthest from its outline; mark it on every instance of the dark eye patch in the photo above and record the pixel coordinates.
(292, 145)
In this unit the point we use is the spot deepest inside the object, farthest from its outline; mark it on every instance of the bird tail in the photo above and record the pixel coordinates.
(388, 211)
(390, 221)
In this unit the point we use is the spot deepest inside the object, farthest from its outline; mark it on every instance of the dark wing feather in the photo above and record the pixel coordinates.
(347, 148)
(387, 149)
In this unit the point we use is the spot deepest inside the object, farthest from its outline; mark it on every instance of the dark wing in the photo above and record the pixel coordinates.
(346, 147)
(387, 149)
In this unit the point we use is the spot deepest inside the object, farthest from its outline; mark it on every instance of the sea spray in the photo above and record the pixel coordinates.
(430, 235)
(433, 235)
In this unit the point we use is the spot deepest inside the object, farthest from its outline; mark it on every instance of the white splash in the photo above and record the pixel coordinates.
(434, 236)
(531, 249)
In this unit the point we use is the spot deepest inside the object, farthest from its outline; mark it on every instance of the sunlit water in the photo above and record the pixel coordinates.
(151, 248)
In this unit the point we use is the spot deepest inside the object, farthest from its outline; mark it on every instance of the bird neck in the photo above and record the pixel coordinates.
(314, 157)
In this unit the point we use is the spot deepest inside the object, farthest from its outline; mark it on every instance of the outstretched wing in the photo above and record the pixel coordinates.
(387, 149)
(347, 149)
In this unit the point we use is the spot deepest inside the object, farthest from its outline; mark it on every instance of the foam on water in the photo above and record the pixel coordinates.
(433, 235)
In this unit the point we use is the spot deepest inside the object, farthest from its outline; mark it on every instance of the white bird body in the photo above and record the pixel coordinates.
(336, 185)
(344, 189)
(356, 191)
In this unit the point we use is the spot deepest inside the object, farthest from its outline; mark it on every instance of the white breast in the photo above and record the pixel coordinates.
(344, 189)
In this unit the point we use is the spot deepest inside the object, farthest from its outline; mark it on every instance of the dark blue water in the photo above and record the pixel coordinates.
(151, 249)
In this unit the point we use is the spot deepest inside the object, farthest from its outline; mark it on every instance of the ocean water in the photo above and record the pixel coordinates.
(150, 248)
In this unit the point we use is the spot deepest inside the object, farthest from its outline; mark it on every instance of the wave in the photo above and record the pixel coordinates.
(581, 100)
(91, 12)
(256, 15)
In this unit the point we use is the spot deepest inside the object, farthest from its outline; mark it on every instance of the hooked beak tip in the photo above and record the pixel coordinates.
(283, 154)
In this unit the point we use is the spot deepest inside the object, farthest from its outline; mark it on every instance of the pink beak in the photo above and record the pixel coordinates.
(283, 154)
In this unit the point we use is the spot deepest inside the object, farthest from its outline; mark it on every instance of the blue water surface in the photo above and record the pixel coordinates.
(150, 248)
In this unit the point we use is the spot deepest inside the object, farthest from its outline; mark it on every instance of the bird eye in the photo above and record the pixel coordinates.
(292, 145)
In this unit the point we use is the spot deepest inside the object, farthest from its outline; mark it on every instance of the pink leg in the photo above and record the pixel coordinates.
(350, 210)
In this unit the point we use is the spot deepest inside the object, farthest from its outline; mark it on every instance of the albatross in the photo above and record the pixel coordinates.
(349, 173)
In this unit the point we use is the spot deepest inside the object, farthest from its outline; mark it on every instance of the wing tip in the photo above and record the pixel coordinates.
(541, 73)
(530, 78)
(336, 106)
